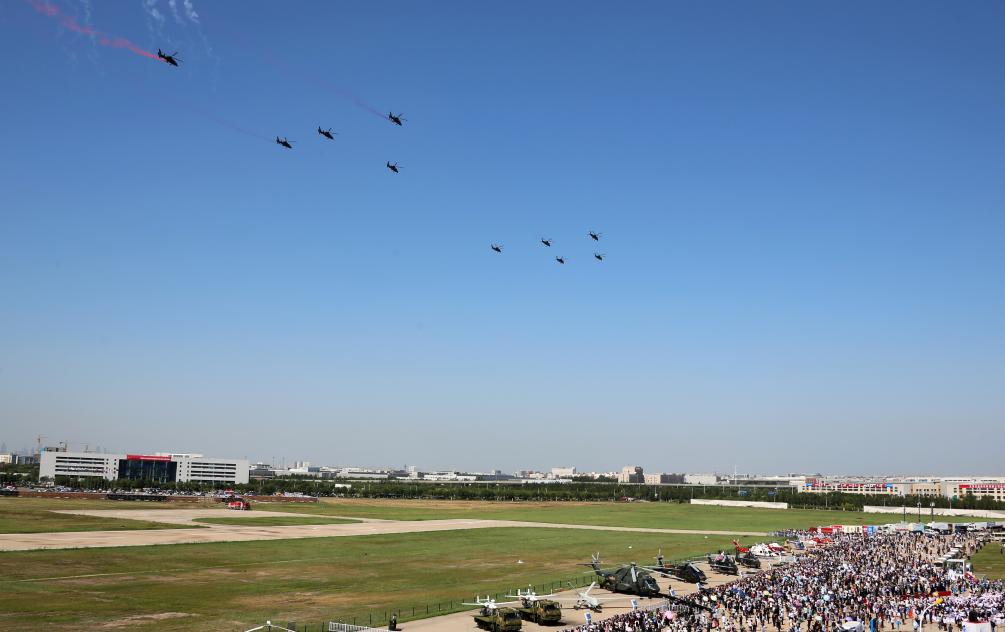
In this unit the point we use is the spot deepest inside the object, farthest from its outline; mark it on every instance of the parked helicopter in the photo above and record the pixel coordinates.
(723, 564)
(687, 572)
(629, 579)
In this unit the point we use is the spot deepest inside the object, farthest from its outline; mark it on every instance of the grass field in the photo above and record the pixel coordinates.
(275, 521)
(33, 515)
(990, 561)
(227, 586)
(655, 515)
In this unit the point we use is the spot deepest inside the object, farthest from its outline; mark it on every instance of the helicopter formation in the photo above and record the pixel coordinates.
(547, 242)
(397, 119)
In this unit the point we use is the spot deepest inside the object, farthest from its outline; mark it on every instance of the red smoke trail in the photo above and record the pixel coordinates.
(70, 24)
(304, 75)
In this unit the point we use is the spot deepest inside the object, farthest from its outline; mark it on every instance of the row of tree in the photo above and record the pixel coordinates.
(564, 492)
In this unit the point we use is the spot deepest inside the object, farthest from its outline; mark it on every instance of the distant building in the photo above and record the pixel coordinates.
(701, 479)
(7, 458)
(658, 478)
(563, 472)
(158, 468)
(631, 474)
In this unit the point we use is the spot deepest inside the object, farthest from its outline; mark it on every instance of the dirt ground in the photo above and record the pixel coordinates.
(238, 533)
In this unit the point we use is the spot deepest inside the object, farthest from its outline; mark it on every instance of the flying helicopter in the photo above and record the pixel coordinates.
(285, 143)
(598, 256)
(327, 133)
(172, 59)
(496, 616)
(560, 260)
(392, 167)
(396, 119)
(594, 236)
(546, 242)
(496, 247)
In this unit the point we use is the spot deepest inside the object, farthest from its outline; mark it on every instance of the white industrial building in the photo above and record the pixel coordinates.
(160, 467)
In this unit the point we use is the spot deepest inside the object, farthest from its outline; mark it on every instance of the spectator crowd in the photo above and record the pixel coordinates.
(868, 583)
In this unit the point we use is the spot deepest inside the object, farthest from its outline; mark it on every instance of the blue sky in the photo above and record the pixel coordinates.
(801, 206)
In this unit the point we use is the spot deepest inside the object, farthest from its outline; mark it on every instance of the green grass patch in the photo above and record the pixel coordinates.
(650, 515)
(33, 515)
(234, 586)
(990, 561)
(275, 521)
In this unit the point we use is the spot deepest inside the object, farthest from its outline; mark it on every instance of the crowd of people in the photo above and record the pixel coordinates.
(877, 582)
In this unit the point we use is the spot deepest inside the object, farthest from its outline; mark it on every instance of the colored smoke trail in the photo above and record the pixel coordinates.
(70, 24)
(306, 76)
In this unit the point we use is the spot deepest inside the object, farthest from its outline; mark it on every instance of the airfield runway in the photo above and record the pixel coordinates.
(238, 533)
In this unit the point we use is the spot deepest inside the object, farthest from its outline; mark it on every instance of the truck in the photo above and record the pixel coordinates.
(541, 611)
(498, 620)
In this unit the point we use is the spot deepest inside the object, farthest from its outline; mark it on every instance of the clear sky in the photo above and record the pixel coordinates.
(801, 207)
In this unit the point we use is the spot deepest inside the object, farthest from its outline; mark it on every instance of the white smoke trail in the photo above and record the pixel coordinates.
(190, 11)
(150, 6)
(173, 5)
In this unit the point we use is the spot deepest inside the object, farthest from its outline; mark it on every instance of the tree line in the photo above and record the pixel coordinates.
(557, 492)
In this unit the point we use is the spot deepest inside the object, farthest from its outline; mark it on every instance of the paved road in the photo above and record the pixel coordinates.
(238, 533)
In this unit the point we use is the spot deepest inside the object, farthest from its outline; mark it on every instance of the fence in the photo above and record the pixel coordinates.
(378, 620)
(347, 627)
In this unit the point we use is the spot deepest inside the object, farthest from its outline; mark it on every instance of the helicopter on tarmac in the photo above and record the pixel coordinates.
(687, 571)
(723, 564)
(630, 579)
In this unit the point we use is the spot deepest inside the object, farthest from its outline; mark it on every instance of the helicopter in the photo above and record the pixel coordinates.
(496, 247)
(560, 260)
(723, 564)
(495, 616)
(744, 557)
(392, 167)
(327, 133)
(285, 143)
(395, 119)
(687, 572)
(598, 256)
(629, 579)
(169, 59)
(594, 236)
(538, 608)
(546, 242)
